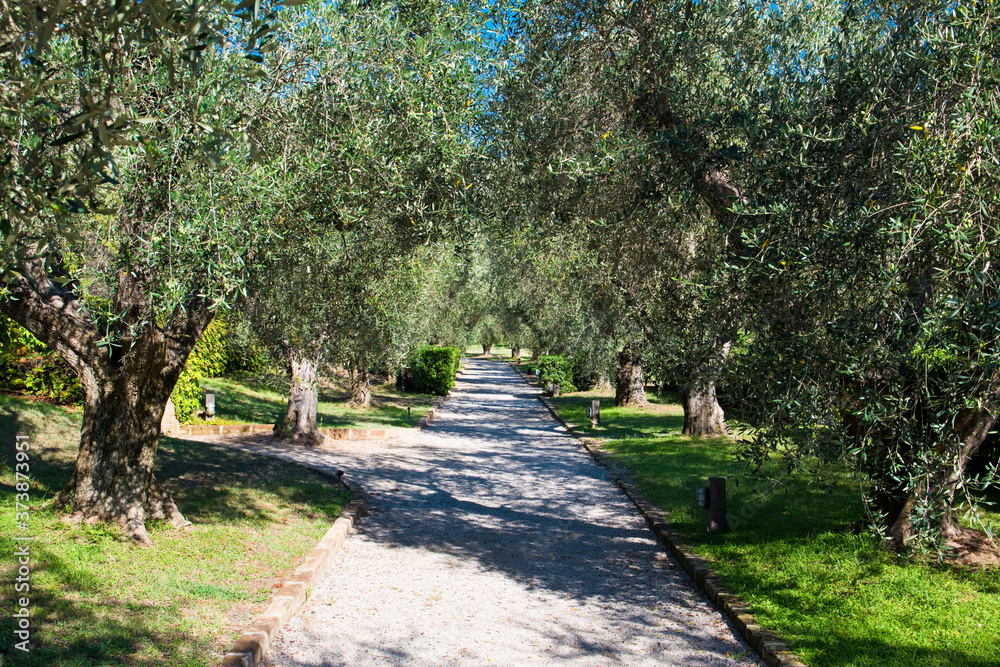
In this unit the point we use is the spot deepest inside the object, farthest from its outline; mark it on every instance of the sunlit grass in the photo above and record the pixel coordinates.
(837, 598)
(497, 353)
(96, 598)
(242, 399)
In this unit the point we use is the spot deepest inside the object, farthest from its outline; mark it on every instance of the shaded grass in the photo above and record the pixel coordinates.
(243, 399)
(837, 598)
(97, 599)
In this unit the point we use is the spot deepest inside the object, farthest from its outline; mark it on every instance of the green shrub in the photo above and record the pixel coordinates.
(28, 365)
(557, 369)
(208, 359)
(435, 369)
(245, 352)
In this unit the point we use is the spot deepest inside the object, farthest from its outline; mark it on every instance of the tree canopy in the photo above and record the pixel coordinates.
(793, 201)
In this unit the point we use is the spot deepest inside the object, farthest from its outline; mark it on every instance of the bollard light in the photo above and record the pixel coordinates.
(703, 496)
(209, 406)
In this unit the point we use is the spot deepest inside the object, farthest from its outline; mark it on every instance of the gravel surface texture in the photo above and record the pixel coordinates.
(492, 538)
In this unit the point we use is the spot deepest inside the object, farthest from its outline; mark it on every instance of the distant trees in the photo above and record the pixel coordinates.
(377, 162)
(808, 183)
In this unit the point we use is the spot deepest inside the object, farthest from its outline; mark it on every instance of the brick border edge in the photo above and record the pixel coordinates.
(250, 648)
(429, 415)
(771, 648)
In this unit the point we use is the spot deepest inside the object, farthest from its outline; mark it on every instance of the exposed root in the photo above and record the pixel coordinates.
(969, 547)
(160, 505)
(131, 519)
(306, 438)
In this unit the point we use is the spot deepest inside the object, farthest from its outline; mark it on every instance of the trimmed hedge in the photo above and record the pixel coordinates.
(208, 359)
(557, 369)
(435, 369)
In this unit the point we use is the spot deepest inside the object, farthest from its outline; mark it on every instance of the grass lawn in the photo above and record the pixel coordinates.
(97, 599)
(246, 398)
(497, 353)
(837, 598)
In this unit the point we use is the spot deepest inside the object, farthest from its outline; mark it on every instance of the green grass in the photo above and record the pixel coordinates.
(497, 353)
(244, 398)
(837, 598)
(97, 599)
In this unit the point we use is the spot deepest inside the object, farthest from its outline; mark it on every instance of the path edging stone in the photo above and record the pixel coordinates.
(768, 645)
(250, 649)
(429, 415)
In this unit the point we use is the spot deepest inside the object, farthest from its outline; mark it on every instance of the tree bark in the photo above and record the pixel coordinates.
(126, 386)
(971, 429)
(487, 346)
(361, 388)
(603, 381)
(515, 352)
(630, 389)
(703, 416)
(299, 424)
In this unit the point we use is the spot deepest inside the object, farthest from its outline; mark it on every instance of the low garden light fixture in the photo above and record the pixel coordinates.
(713, 498)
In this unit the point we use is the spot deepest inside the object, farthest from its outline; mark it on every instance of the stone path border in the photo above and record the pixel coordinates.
(429, 415)
(250, 648)
(771, 648)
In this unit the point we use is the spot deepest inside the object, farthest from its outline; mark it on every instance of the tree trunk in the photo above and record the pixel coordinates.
(972, 426)
(602, 381)
(126, 386)
(299, 424)
(702, 414)
(630, 389)
(487, 346)
(116, 483)
(515, 352)
(361, 388)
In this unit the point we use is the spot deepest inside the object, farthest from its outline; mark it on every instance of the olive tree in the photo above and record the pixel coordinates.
(72, 73)
(379, 166)
(124, 299)
(870, 247)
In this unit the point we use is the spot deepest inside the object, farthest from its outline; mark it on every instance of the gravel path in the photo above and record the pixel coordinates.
(492, 538)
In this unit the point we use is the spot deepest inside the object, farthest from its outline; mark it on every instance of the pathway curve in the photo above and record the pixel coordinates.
(493, 539)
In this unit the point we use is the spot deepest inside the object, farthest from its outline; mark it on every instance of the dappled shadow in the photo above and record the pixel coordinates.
(54, 465)
(496, 485)
(86, 613)
(639, 424)
(218, 485)
(72, 628)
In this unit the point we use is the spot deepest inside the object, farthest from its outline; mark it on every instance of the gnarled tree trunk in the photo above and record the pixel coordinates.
(971, 429)
(630, 388)
(515, 352)
(702, 414)
(126, 386)
(487, 346)
(299, 424)
(361, 387)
